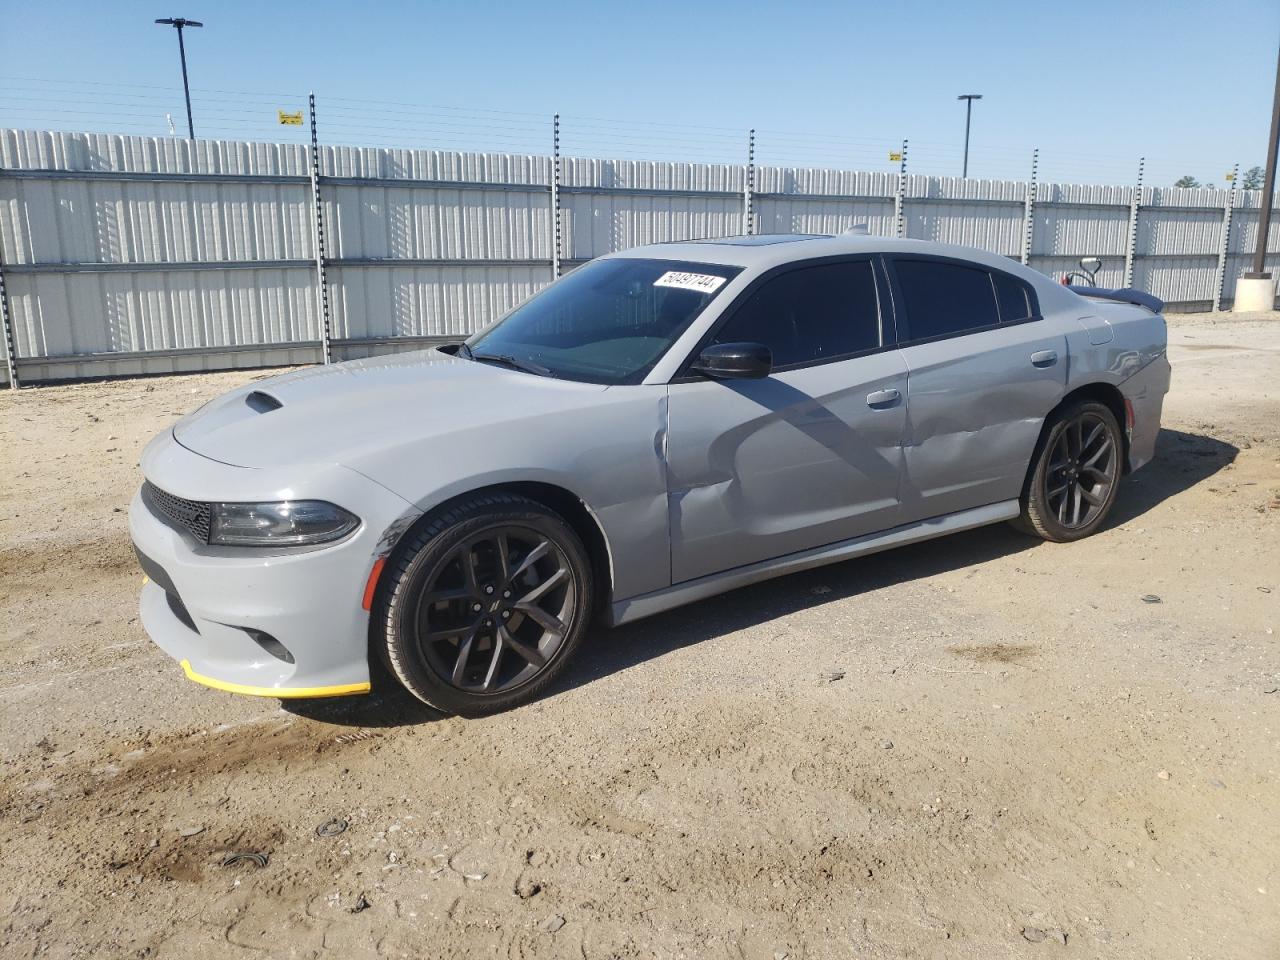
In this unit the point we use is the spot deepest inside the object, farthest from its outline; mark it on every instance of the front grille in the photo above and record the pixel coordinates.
(190, 515)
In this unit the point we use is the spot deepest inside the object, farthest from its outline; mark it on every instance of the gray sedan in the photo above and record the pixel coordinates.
(656, 427)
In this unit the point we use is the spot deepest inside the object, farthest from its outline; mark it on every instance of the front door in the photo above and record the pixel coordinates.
(808, 456)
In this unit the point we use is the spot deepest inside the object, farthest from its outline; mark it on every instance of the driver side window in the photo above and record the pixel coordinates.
(810, 315)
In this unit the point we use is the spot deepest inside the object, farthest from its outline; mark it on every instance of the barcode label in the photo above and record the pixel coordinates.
(700, 282)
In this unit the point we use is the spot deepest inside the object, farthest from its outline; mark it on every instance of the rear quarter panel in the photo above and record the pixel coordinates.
(1138, 337)
(1134, 360)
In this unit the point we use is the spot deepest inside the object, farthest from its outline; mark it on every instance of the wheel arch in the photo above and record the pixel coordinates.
(1109, 395)
(575, 511)
(579, 515)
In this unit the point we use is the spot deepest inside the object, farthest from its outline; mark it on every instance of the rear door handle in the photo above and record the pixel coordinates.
(883, 399)
(1044, 358)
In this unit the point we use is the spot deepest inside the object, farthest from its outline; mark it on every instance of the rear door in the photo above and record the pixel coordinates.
(984, 368)
(806, 457)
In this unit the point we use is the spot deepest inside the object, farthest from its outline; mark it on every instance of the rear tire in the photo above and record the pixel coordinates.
(485, 605)
(1075, 475)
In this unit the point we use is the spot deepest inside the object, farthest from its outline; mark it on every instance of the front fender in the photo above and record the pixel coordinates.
(609, 456)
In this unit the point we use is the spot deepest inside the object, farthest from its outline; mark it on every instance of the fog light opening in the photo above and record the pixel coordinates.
(270, 644)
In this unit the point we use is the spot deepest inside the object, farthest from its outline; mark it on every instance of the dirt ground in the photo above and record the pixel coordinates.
(982, 746)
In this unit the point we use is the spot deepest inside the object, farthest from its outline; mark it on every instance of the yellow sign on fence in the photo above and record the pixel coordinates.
(895, 156)
(290, 119)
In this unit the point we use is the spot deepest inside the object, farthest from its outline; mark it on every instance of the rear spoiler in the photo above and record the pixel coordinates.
(1127, 295)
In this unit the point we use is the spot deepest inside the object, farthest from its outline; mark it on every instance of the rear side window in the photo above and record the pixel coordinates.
(811, 314)
(944, 299)
(1012, 295)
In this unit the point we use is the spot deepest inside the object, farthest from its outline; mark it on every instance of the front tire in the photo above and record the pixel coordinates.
(1076, 474)
(484, 606)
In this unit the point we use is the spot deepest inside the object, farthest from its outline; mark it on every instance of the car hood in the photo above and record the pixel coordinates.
(336, 414)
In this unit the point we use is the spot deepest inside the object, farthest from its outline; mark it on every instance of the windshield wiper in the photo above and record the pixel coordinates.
(506, 360)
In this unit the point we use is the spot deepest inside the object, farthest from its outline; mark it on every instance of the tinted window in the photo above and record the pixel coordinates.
(1012, 296)
(608, 321)
(810, 314)
(942, 299)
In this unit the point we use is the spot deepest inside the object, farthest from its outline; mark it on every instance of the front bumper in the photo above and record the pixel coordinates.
(278, 623)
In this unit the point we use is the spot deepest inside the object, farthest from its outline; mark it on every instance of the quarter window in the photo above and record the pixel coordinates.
(944, 299)
(811, 314)
(1012, 296)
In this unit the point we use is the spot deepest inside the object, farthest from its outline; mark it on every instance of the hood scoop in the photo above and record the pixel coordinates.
(260, 402)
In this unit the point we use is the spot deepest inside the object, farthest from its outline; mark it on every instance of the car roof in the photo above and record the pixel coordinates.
(762, 251)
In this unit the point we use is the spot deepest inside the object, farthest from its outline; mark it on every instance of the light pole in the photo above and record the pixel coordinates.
(968, 98)
(1268, 189)
(178, 23)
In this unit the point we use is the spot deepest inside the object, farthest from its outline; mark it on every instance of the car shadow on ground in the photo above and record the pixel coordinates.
(1182, 460)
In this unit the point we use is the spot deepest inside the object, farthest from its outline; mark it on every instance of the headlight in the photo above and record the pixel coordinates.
(291, 523)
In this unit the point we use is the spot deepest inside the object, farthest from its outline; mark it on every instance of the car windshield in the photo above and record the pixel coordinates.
(609, 321)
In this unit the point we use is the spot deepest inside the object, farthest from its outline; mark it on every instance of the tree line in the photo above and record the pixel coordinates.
(1251, 180)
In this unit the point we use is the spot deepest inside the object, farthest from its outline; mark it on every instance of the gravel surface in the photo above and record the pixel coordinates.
(983, 746)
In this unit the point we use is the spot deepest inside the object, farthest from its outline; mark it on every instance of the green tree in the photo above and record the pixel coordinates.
(1252, 179)
(1187, 181)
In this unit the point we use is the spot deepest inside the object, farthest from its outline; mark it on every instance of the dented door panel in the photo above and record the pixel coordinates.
(975, 405)
(762, 468)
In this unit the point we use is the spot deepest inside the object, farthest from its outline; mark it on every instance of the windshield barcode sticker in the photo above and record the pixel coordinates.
(700, 282)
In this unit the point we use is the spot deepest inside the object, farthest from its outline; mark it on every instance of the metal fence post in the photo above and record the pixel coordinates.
(6, 320)
(1224, 246)
(749, 185)
(317, 211)
(1028, 212)
(555, 197)
(899, 198)
(1132, 247)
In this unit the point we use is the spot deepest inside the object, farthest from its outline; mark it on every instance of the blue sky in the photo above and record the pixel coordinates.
(1093, 85)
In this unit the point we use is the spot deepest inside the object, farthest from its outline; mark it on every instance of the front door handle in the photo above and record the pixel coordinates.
(883, 399)
(1044, 358)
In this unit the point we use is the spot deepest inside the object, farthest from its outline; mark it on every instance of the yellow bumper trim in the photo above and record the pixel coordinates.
(283, 693)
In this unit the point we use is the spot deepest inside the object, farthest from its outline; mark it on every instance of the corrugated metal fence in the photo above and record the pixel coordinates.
(126, 255)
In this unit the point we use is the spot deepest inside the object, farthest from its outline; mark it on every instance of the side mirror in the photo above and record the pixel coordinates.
(735, 361)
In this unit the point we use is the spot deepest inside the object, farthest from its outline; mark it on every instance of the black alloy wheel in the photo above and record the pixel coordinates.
(1076, 474)
(493, 613)
(1083, 467)
(486, 605)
